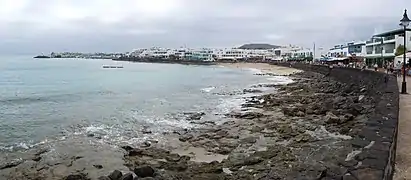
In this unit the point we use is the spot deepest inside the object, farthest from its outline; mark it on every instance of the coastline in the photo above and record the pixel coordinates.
(265, 68)
(302, 130)
(292, 133)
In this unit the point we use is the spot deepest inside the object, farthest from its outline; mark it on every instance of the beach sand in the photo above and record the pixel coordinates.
(263, 67)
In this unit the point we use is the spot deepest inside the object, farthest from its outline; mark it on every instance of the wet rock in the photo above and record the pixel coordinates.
(223, 150)
(286, 131)
(290, 111)
(300, 114)
(145, 144)
(302, 138)
(103, 178)
(38, 158)
(144, 171)
(98, 166)
(128, 176)
(247, 115)
(127, 148)
(41, 151)
(80, 176)
(252, 91)
(195, 116)
(249, 140)
(146, 178)
(345, 118)
(309, 110)
(256, 129)
(186, 137)
(173, 158)
(115, 175)
(252, 160)
(331, 118)
(11, 164)
(146, 131)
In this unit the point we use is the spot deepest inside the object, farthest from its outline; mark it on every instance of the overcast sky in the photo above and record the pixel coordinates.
(36, 26)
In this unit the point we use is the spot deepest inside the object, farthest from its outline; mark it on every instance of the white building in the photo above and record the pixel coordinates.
(285, 52)
(231, 54)
(357, 49)
(338, 51)
(381, 47)
(303, 53)
(136, 52)
(204, 54)
(156, 52)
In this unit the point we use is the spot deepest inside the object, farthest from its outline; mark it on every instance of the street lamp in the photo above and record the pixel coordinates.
(405, 21)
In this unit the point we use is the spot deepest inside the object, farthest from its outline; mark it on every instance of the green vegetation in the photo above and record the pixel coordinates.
(400, 50)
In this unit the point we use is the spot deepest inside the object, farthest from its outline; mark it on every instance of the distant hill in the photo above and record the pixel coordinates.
(258, 46)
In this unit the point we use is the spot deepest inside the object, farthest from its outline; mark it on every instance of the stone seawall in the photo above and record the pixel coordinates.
(376, 143)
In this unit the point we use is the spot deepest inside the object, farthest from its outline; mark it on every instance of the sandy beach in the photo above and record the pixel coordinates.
(263, 67)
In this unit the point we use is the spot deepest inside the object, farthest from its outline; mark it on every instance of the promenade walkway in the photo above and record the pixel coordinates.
(403, 155)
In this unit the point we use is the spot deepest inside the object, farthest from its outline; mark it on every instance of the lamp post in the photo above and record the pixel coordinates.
(405, 21)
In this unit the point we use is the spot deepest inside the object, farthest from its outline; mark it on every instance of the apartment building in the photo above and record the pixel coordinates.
(285, 52)
(381, 47)
(356, 49)
(338, 51)
(303, 54)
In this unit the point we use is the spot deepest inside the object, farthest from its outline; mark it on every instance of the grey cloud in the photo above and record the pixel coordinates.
(199, 23)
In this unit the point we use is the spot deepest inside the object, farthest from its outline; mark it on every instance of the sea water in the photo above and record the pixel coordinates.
(51, 101)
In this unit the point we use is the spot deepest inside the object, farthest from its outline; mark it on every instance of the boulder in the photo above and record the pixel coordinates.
(252, 91)
(103, 178)
(300, 114)
(128, 176)
(345, 118)
(98, 166)
(195, 116)
(144, 171)
(80, 176)
(247, 115)
(146, 178)
(184, 138)
(115, 175)
(173, 158)
(331, 118)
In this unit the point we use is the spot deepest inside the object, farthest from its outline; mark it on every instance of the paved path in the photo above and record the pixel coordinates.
(403, 157)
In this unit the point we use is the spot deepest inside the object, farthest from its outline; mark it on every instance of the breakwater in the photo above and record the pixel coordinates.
(375, 145)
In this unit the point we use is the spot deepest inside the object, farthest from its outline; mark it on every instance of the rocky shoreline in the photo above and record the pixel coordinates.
(302, 131)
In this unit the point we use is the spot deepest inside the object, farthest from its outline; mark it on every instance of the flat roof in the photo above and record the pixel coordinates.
(390, 33)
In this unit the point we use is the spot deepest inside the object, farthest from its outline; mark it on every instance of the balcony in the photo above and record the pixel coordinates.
(389, 51)
(389, 38)
(369, 52)
(368, 42)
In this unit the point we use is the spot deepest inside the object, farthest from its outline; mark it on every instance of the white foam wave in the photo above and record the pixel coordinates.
(163, 122)
(255, 71)
(281, 80)
(17, 146)
(208, 89)
(231, 104)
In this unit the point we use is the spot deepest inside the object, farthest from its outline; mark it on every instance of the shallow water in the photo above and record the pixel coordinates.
(48, 101)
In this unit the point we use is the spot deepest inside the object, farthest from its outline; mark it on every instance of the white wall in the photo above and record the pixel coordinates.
(400, 40)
